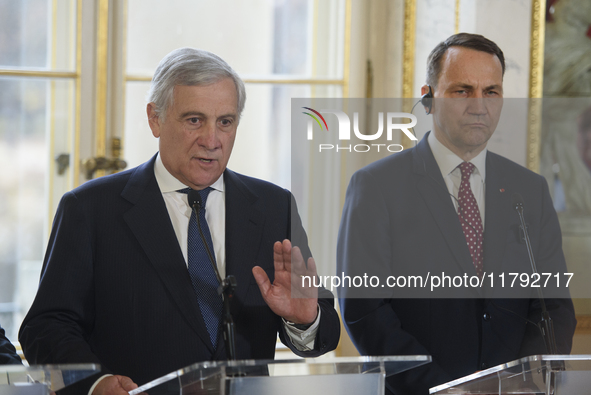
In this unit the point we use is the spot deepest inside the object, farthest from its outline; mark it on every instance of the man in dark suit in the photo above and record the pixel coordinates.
(8, 354)
(121, 285)
(425, 209)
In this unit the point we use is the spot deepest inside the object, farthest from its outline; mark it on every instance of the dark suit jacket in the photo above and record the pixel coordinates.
(115, 289)
(398, 215)
(8, 354)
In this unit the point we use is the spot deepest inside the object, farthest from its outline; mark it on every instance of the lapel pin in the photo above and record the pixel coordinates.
(502, 190)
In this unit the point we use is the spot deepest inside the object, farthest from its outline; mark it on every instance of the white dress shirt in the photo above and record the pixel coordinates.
(180, 212)
(452, 175)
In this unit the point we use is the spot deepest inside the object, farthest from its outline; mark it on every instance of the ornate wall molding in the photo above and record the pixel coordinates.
(536, 80)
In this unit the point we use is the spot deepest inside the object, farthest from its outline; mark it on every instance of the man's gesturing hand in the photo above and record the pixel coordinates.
(287, 296)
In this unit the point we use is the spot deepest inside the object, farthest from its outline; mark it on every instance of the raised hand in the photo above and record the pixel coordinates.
(292, 294)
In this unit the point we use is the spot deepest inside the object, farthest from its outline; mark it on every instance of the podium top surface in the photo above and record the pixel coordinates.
(207, 370)
(54, 377)
(525, 375)
(362, 360)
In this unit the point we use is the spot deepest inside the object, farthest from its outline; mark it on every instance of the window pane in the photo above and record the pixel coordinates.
(26, 121)
(138, 143)
(29, 34)
(289, 37)
(256, 38)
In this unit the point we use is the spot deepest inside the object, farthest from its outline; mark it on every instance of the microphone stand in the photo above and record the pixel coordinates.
(546, 325)
(225, 289)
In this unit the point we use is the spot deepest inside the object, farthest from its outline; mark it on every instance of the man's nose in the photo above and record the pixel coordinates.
(208, 137)
(477, 104)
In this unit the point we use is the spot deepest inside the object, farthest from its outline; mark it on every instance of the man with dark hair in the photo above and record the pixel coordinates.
(131, 274)
(8, 354)
(462, 222)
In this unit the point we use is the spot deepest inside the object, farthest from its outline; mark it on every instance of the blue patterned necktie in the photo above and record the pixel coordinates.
(203, 276)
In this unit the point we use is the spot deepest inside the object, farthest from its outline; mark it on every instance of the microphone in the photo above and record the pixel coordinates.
(546, 326)
(194, 199)
(517, 202)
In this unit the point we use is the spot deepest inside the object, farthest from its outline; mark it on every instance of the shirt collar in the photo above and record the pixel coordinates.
(169, 183)
(448, 161)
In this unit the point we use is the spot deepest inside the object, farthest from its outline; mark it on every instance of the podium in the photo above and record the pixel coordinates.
(538, 374)
(41, 379)
(358, 375)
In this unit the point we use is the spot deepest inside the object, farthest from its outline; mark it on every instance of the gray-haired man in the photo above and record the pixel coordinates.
(115, 288)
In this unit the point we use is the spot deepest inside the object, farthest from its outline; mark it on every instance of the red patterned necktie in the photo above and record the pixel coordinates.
(470, 219)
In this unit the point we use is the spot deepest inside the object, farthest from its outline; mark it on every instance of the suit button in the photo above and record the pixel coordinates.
(484, 366)
(486, 316)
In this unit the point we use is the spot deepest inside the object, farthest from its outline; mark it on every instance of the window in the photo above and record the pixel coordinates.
(38, 80)
(74, 74)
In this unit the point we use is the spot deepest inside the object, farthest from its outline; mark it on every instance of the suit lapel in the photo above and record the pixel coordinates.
(149, 221)
(244, 225)
(434, 192)
(497, 218)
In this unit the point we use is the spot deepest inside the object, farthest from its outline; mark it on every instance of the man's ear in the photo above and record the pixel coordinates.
(427, 98)
(153, 119)
(424, 89)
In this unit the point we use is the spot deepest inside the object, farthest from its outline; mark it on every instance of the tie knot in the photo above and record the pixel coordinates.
(466, 168)
(204, 193)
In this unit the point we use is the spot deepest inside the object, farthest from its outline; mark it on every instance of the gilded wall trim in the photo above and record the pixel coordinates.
(101, 79)
(536, 80)
(457, 22)
(408, 57)
(347, 49)
(52, 94)
(38, 73)
(78, 99)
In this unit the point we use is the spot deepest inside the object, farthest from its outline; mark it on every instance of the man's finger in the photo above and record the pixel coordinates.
(287, 251)
(294, 260)
(311, 269)
(298, 260)
(262, 280)
(127, 383)
(278, 256)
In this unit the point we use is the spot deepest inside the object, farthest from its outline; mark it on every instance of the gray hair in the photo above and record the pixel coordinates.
(190, 67)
